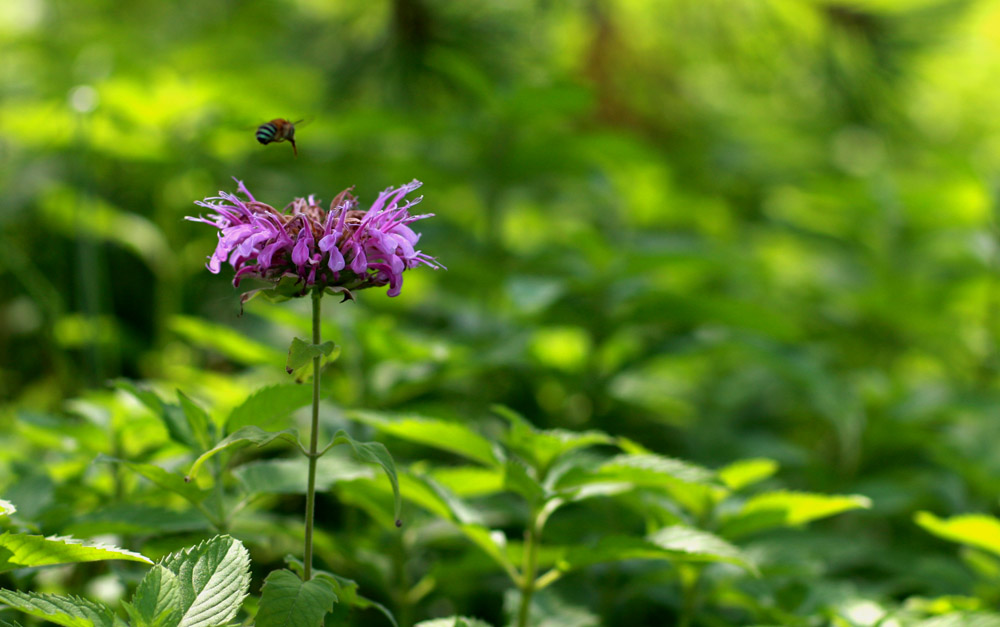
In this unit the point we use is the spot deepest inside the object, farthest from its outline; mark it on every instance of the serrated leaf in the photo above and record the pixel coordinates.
(163, 478)
(22, 551)
(372, 453)
(977, 530)
(213, 578)
(157, 599)
(747, 472)
(788, 509)
(448, 436)
(287, 601)
(345, 589)
(243, 437)
(197, 420)
(674, 543)
(69, 611)
(267, 407)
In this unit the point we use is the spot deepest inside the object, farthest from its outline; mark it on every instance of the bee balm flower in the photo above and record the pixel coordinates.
(341, 247)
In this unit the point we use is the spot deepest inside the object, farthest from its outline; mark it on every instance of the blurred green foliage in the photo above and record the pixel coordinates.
(724, 229)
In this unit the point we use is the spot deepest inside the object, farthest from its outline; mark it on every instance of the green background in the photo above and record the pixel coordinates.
(721, 228)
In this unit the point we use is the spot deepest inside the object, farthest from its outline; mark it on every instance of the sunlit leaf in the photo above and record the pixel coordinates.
(746, 472)
(20, 551)
(69, 611)
(449, 436)
(213, 578)
(158, 598)
(788, 509)
(976, 530)
(470, 481)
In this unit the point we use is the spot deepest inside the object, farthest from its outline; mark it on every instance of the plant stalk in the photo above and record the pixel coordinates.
(532, 539)
(313, 440)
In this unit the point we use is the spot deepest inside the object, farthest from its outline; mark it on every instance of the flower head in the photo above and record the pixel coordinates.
(341, 247)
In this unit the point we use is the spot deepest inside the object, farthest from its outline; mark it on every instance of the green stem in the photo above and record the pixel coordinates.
(220, 508)
(313, 440)
(532, 540)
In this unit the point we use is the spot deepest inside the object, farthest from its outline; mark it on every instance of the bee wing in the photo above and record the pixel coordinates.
(304, 122)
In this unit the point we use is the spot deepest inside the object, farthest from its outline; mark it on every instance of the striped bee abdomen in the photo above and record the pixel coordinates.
(266, 132)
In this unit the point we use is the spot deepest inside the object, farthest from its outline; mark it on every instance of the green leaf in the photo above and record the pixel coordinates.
(301, 355)
(541, 448)
(692, 486)
(287, 601)
(134, 519)
(157, 599)
(290, 476)
(674, 543)
(21, 551)
(163, 478)
(977, 530)
(224, 340)
(448, 436)
(172, 416)
(267, 407)
(516, 479)
(493, 543)
(470, 481)
(198, 421)
(372, 453)
(345, 589)
(69, 611)
(747, 472)
(213, 578)
(788, 509)
(453, 621)
(243, 437)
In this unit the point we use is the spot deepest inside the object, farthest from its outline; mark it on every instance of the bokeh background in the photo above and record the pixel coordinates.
(722, 228)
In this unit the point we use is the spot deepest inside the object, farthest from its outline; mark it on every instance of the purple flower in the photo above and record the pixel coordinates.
(340, 247)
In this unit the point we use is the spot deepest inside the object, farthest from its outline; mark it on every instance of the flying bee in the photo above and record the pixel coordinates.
(278, 130)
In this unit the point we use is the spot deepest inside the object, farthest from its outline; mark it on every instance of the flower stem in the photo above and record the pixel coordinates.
(532, 539)
(313, 440)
